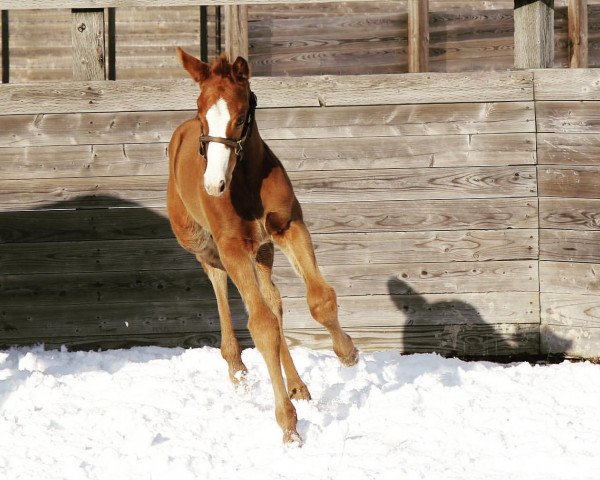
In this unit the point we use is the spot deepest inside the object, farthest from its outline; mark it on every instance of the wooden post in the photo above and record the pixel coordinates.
(578, 34)
(87, 36)
(418, 36)
(236, 31)
(534, 33)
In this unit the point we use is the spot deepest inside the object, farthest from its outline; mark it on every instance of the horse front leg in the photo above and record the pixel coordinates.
(230, 348)
(297, 245)
(296, 388)
(264, 329)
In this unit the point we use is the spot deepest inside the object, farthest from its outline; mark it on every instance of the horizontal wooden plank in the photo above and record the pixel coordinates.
(84, 161)
(188, 285)
(570, 309)
(332, 249)
(152, 95)
(465, 340)
(201, 315)
(406, 151)
(421, 215)
(567, 84)
(572, 182)
(568, 149)
(498, 340)
(579, 342)
(43, 4)
(62, 221)
(296, 155)
(570, 278)
(568, 117)
(274, 124)
(570, 213)
(570, 246)
(430, 88)
(420, 183)
(123, 95)
(370, 185)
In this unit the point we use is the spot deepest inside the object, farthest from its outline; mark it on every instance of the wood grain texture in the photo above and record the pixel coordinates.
(201, 315)
(570, 213)
(236, 31)
(568, 117)
(578, 33)
(567, 84)
(310, 187)
(570, 278)
(574, 182)
(43, 4)
(296, 155)
(71, 221)
(579, 342)
(568, 149)
(418, 36)
(192, 284)
(87, 36)
(475, 340)
(331, 249)
(468, 340)
(275, 124)
(570, 246)
(471, 39)
(570, 309)
(84, 161)
(534, 34)
(271, 91)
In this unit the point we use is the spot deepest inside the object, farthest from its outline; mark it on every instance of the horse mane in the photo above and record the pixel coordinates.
(221, 66)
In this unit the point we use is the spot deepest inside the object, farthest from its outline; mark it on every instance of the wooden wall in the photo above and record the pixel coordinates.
(569, 187)
(421, 199)
(304, 39)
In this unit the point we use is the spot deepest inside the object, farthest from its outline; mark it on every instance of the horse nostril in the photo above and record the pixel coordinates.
(221, 186)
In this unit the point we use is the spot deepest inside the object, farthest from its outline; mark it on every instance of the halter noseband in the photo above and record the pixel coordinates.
(236, 145)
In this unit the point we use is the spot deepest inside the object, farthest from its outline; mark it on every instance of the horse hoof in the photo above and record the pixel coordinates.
(351, 359)
(292, 439)
(299, 392)
(238, 376)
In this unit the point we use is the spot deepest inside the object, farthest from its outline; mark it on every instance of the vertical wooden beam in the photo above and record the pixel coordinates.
(218, 30)
(236, 31)
(418, 36)
(578, 33)
(534, 33)
(87, 36)
(5, 48)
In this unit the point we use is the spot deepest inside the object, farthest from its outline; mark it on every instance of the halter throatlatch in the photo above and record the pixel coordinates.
(236, 145)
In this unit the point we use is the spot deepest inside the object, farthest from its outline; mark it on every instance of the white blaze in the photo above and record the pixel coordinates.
(217, 154)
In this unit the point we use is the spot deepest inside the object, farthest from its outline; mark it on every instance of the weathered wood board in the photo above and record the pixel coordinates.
(422, 203)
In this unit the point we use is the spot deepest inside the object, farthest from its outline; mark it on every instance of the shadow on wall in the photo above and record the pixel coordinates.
(102, 272)
(456, 328)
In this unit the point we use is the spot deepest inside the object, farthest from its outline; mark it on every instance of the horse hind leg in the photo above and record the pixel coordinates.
(230, 348)
(296, 388)
(297, 245)
(264, 328)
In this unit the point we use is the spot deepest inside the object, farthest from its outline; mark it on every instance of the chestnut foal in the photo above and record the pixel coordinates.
(229, 199)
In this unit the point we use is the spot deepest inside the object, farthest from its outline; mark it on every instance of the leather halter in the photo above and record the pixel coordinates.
(236, 145)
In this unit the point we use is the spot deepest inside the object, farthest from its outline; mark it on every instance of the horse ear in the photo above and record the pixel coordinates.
(198, 70)
(240, 70)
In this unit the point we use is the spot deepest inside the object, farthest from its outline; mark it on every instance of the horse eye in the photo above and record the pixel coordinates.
(240, 120)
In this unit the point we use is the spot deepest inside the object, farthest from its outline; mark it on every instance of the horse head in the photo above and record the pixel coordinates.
(225, 110)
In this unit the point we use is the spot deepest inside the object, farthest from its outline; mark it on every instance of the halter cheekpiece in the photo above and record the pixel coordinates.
(236, 145)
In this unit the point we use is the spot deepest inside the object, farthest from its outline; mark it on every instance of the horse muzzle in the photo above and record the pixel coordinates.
(215, 190)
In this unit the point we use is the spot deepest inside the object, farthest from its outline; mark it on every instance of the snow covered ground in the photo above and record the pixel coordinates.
(154, 413)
